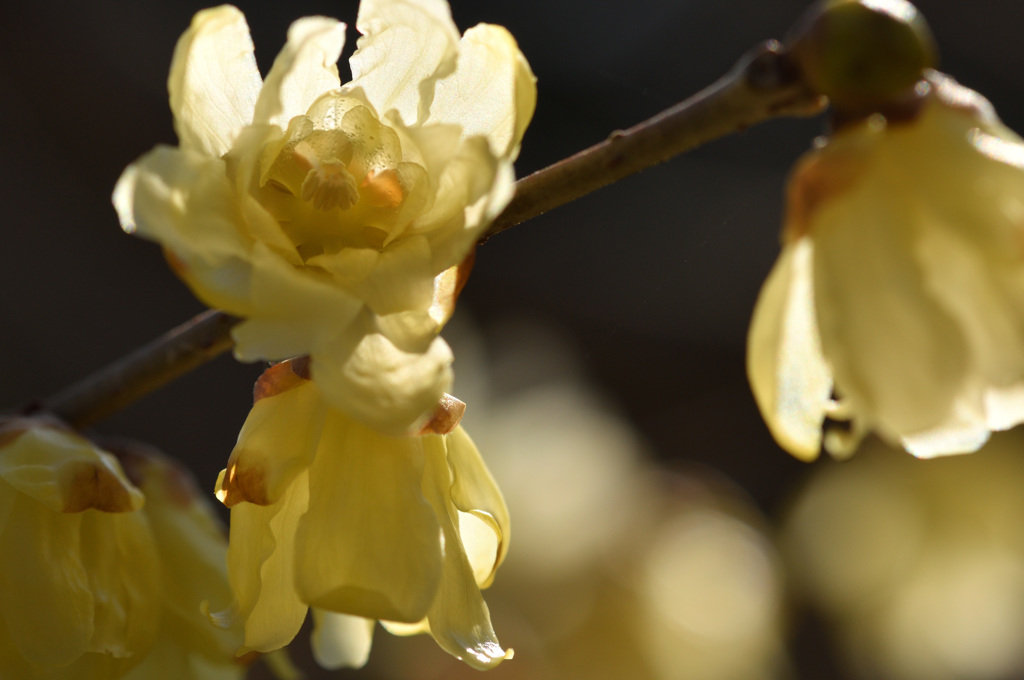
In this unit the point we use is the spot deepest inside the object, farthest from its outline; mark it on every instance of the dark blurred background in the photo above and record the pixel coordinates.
(653, 279)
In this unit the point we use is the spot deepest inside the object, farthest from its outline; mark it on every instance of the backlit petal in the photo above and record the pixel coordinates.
(370, 544)
(305, 69)
(492, 92)
(214, 81)
(789, 377)
(406, 46)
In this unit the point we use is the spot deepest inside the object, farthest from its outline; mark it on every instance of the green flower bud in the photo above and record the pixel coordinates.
(863, 54)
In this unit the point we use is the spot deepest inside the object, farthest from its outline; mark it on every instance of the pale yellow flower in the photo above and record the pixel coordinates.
(79, 571)
(329, 514)
(322, 213)
(192, 548)
(900, 286)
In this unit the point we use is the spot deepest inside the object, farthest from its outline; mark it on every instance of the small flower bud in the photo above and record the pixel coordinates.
(864, 55)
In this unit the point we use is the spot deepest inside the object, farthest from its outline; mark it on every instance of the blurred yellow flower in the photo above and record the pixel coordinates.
(79, 571)
(192, 547)
(919, 566)
(329, 514)
(898, 300)
(323, 214)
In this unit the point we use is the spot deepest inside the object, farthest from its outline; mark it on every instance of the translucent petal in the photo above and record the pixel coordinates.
(492, 92)
(788, 375)
(261, 567)
(214, 81)
(459, 619)
(306, 68)
(406, 46)
(185, 202)
(370, 545)
(277, 442)
(383, 386)
(474, 491)
(340, 640)
(896, 354)
(296, 310)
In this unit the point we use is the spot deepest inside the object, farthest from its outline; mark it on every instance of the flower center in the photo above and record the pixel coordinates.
(328, 184)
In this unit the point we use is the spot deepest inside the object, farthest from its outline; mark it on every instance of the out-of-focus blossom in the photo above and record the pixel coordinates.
(192, 547)
(79, 571)
(897, 303)
(329, 514)
(619, 570)
(919, 565)
(326, 215)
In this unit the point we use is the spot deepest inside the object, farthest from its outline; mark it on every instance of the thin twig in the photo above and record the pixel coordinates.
(763, 85)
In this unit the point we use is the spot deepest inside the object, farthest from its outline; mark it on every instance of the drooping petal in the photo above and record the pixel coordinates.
(383, 386)
(492, 92)
(120, 557)
(305, 69)
(48, 603)
(406, 46)
(340, 640)
(184, 201)
(370, 544)
(475, 492)
(277, 442)
(261, 567)
(788, 375)
(895, 353)
(214, 81)
(459, 619)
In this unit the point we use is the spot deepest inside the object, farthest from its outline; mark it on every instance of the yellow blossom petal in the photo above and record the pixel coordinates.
(277, 442)
(184, 201)
(370, 543)
(340, 640)
(306, 68)
(406, 46)
(474, 492)
(789, 377)
(492, 92)
(214, 81)
(261, 567)
(459, 619)
(382, 385)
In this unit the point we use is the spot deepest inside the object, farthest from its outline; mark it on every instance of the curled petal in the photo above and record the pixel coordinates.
(475, 492)
(370, 545)
(492, 92)
(305, 69)
(261, 568)
(788, 375)
(214, 81)
(277, 442)
(406, 46)
(459, 619)
(383, 386)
